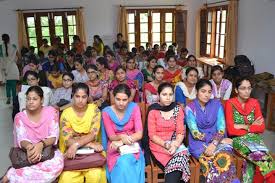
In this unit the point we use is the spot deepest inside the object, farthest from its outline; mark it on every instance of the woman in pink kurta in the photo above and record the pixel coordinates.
(123, 126)
(33, 134)
(165, 123)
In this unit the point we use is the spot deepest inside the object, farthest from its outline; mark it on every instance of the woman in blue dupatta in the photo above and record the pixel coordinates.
(123, 126)
(207, 141)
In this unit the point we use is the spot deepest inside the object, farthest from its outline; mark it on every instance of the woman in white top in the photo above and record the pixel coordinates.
(186, 89)
(80, 74)
(33, 80)
(8, 68)
(222, 88)
(192, 62)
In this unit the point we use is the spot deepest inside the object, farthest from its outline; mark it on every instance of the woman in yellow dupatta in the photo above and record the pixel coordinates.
(79, 127)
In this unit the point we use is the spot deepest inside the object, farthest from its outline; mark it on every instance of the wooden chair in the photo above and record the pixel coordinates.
(148, 168)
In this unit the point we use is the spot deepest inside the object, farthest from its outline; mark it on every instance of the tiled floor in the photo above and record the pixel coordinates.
(6, 137)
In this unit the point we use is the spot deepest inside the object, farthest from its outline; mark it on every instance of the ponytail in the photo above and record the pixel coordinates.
(6, 40)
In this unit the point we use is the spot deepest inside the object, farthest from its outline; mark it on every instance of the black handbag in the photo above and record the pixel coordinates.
(19, 158)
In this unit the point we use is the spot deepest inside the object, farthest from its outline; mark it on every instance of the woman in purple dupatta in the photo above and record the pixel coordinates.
(207, 142)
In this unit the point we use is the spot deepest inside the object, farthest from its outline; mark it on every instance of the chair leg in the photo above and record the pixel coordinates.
(239, 166)
(149, 176)
(155, 175)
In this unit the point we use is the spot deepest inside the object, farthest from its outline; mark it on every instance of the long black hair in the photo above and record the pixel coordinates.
(6, 40)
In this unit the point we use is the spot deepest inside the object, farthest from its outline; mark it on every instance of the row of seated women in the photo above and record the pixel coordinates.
(209, 130)
(99, 89)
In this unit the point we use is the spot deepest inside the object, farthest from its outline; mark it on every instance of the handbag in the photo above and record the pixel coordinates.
(19, 158)
(84, 161)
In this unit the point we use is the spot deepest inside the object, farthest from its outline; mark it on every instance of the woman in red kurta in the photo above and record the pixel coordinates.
(166, 134)
(245, 123)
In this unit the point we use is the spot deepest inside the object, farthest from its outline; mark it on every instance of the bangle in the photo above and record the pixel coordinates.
(77, 144)
(215, 143)
(165, 144)
(44, 144)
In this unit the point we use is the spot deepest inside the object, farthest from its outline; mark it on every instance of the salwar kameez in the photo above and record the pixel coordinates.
(73, 126)
(25, 130)
(248, 143)
(207, 125)
(127, 168)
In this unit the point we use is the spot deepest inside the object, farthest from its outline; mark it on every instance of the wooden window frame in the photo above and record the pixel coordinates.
(214, 11)
(150, 24)
(38, 28)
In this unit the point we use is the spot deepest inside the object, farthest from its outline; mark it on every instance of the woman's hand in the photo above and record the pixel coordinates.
(172, 149)
(96, 146)
(210, 149)
(116, 144)
(227, 141)
(36, 153)
(126, 139)
(258, 121)
(241, 126)
(29, 152)
(175, 143)
(71, 152)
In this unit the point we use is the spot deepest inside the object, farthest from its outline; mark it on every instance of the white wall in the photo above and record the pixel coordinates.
(256, 35)
(101, 15)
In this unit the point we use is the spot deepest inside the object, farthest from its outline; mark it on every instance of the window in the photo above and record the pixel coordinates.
(47, 25)
(155, 26)
(213, 28)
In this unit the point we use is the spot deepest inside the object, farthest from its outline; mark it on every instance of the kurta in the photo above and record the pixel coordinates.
(80, 77)
(136, 75)
(164, 129)
(172, 77)
(210, 123)
(73, 126)
(150, 94)
(257, 154)
(181, 93)
(61, 93)
(119, 165)
(34, 132)
(224, 90)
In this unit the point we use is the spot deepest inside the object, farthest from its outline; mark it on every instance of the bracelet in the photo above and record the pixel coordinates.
(215, 143)
(77, 144)
(44, 144)
(165, 144)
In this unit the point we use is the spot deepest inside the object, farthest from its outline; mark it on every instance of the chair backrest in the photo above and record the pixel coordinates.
(142, 112)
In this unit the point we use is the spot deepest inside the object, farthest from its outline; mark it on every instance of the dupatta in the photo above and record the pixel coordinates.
(207, 118)
(145, 138)
(118, 123)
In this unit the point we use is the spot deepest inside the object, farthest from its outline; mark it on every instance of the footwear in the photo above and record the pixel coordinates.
(8, 101)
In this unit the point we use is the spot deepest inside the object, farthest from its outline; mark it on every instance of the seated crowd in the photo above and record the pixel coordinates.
(82, 104)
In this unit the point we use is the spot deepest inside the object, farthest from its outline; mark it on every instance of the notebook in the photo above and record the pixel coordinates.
(85, 150)
(129, 149)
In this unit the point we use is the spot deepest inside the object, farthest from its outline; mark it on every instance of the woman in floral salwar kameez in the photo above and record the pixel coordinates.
(35, 129)
(123, 126)
(245, 124)
(207, 142)
(79, 127)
